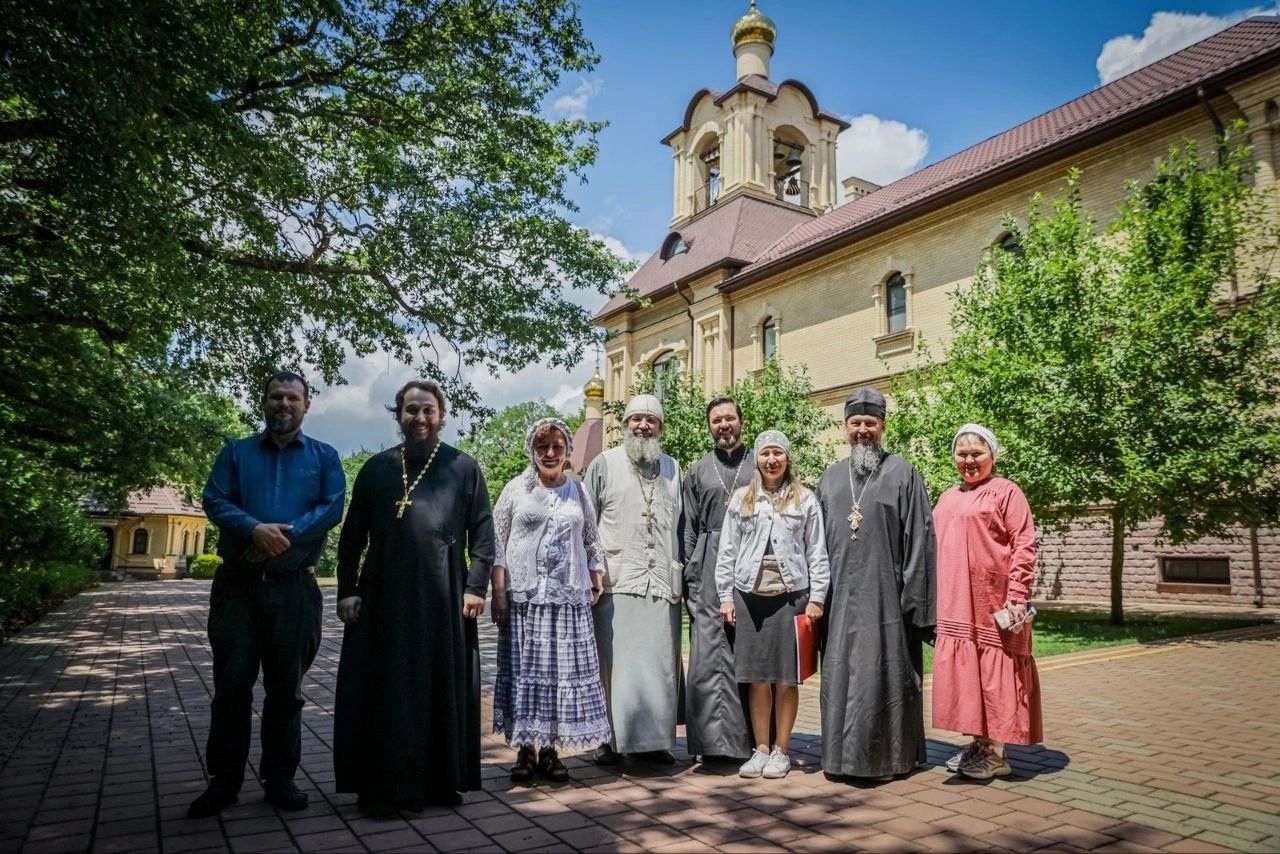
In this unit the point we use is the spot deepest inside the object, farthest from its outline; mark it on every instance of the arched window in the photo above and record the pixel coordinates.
(895, 298)
(768, 340)
(674, 245)
(665, 369)
(1010, 243)
(186, 542)
(140, 541)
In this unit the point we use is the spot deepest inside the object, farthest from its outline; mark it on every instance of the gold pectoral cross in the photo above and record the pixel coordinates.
(403, 503)
(855, 519)
(647, 515)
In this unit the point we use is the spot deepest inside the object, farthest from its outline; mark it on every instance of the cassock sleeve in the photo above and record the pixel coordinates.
(1022, 544)
(918, 561)
(480, 536)
(355, 533)
(687, 529)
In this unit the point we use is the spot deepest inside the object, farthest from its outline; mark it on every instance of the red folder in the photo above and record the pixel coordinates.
(806, 647)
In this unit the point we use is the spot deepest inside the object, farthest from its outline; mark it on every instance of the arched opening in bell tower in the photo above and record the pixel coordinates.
(790, 177)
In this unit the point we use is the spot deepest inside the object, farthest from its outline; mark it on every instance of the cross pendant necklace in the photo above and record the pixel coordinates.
(405, 502)
(647, 513)
(728, 490)
(855, 513)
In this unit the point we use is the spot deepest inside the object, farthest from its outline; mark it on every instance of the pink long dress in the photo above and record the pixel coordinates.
(984, 679)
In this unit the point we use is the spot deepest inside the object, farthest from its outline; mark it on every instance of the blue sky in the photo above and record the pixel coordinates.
(919, 82)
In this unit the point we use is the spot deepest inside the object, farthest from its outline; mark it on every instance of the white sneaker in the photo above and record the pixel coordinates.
(778, 766)
(754, 766)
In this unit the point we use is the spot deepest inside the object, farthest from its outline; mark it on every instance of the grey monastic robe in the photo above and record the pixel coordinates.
(637, 620)
(716, 707)
(407, 712)
(879, 612)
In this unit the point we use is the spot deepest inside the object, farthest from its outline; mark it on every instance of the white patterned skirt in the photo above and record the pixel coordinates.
(548, 692)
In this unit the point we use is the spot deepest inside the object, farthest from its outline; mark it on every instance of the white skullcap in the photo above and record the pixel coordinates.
(643, 404)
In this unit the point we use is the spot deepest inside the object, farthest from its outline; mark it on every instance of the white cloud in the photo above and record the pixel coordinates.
(879, 150)
(574, 104)
(1168, 32)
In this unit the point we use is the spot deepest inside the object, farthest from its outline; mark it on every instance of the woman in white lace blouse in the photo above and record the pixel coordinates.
(547, 575)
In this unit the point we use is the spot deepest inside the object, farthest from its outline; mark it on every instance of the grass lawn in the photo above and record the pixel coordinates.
(1057, 632)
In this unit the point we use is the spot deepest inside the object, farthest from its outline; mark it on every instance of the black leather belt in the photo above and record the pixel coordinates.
(287, 575)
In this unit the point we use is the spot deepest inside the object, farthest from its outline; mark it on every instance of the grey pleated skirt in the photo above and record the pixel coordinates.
(765, 647)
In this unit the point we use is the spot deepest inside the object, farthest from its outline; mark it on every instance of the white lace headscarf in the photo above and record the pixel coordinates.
(531, 473)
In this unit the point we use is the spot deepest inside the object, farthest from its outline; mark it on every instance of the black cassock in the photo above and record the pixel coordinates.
(716, 710)
(407, 714)
(880, 610)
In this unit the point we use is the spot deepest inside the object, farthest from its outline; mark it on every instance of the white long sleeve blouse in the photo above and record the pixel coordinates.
(547, 541)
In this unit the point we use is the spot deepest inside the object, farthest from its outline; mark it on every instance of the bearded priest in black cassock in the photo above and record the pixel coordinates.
(715, 702)
(407, 714)
(880, 609)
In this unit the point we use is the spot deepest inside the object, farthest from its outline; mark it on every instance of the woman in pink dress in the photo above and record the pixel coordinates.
(985, 683)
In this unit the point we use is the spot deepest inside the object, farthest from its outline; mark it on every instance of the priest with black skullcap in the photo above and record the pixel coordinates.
(880, 608)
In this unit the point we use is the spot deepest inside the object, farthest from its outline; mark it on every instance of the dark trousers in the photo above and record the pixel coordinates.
(270, 624)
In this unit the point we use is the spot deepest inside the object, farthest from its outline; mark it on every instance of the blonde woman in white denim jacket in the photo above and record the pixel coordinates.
(771, 567)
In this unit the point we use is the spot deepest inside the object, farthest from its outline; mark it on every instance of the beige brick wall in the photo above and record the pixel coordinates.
(1076, 564)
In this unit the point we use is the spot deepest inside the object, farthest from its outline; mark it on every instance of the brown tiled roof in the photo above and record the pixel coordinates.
(161, 501)
(732, 234)
(1169, 84)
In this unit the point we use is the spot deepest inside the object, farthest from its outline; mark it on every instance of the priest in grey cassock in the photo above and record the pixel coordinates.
(635, 491)
(716, 704)
(880, 608)
(407, 712)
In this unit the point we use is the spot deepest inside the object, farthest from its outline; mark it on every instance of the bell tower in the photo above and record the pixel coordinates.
(759, 138)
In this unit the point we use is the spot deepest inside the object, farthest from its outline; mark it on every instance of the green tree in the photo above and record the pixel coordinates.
(199, 192)
(351, 465)
(1137, 369)
(775, 398)
(497, 443)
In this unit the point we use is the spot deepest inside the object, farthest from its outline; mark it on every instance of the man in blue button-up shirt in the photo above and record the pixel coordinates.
(274, 496)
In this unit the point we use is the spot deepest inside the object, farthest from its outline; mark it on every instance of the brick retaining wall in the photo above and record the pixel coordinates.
(1076, 564)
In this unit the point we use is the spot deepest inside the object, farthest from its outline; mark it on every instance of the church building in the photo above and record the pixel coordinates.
(769, 254)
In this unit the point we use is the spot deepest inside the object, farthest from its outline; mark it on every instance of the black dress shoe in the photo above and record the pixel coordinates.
(606, 755)
(371, 806)
(217, 797)
(284, 795)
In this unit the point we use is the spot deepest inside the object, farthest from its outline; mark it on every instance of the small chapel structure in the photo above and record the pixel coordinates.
(770, 254)
(152, 537)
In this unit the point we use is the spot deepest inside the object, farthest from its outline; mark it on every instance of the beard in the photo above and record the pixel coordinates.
(728, 443)
(865, 459)
(282, 422)
(418, 448)
(642, 451)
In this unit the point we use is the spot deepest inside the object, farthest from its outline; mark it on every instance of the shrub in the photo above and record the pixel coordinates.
(28, 593)
(203, 566)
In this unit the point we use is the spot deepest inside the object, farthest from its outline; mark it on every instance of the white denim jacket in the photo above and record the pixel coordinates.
(799, 543)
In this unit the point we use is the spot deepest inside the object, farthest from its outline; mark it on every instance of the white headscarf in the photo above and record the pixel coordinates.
(982, 433)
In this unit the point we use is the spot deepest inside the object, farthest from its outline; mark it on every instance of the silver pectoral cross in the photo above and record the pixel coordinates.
(647, 515)
(403, 504)
(855, 519)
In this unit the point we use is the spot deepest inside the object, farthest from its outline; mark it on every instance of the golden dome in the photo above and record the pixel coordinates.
(754, 27)
(594, 386)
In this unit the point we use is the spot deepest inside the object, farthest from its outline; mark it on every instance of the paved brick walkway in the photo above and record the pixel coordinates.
(104, 711)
